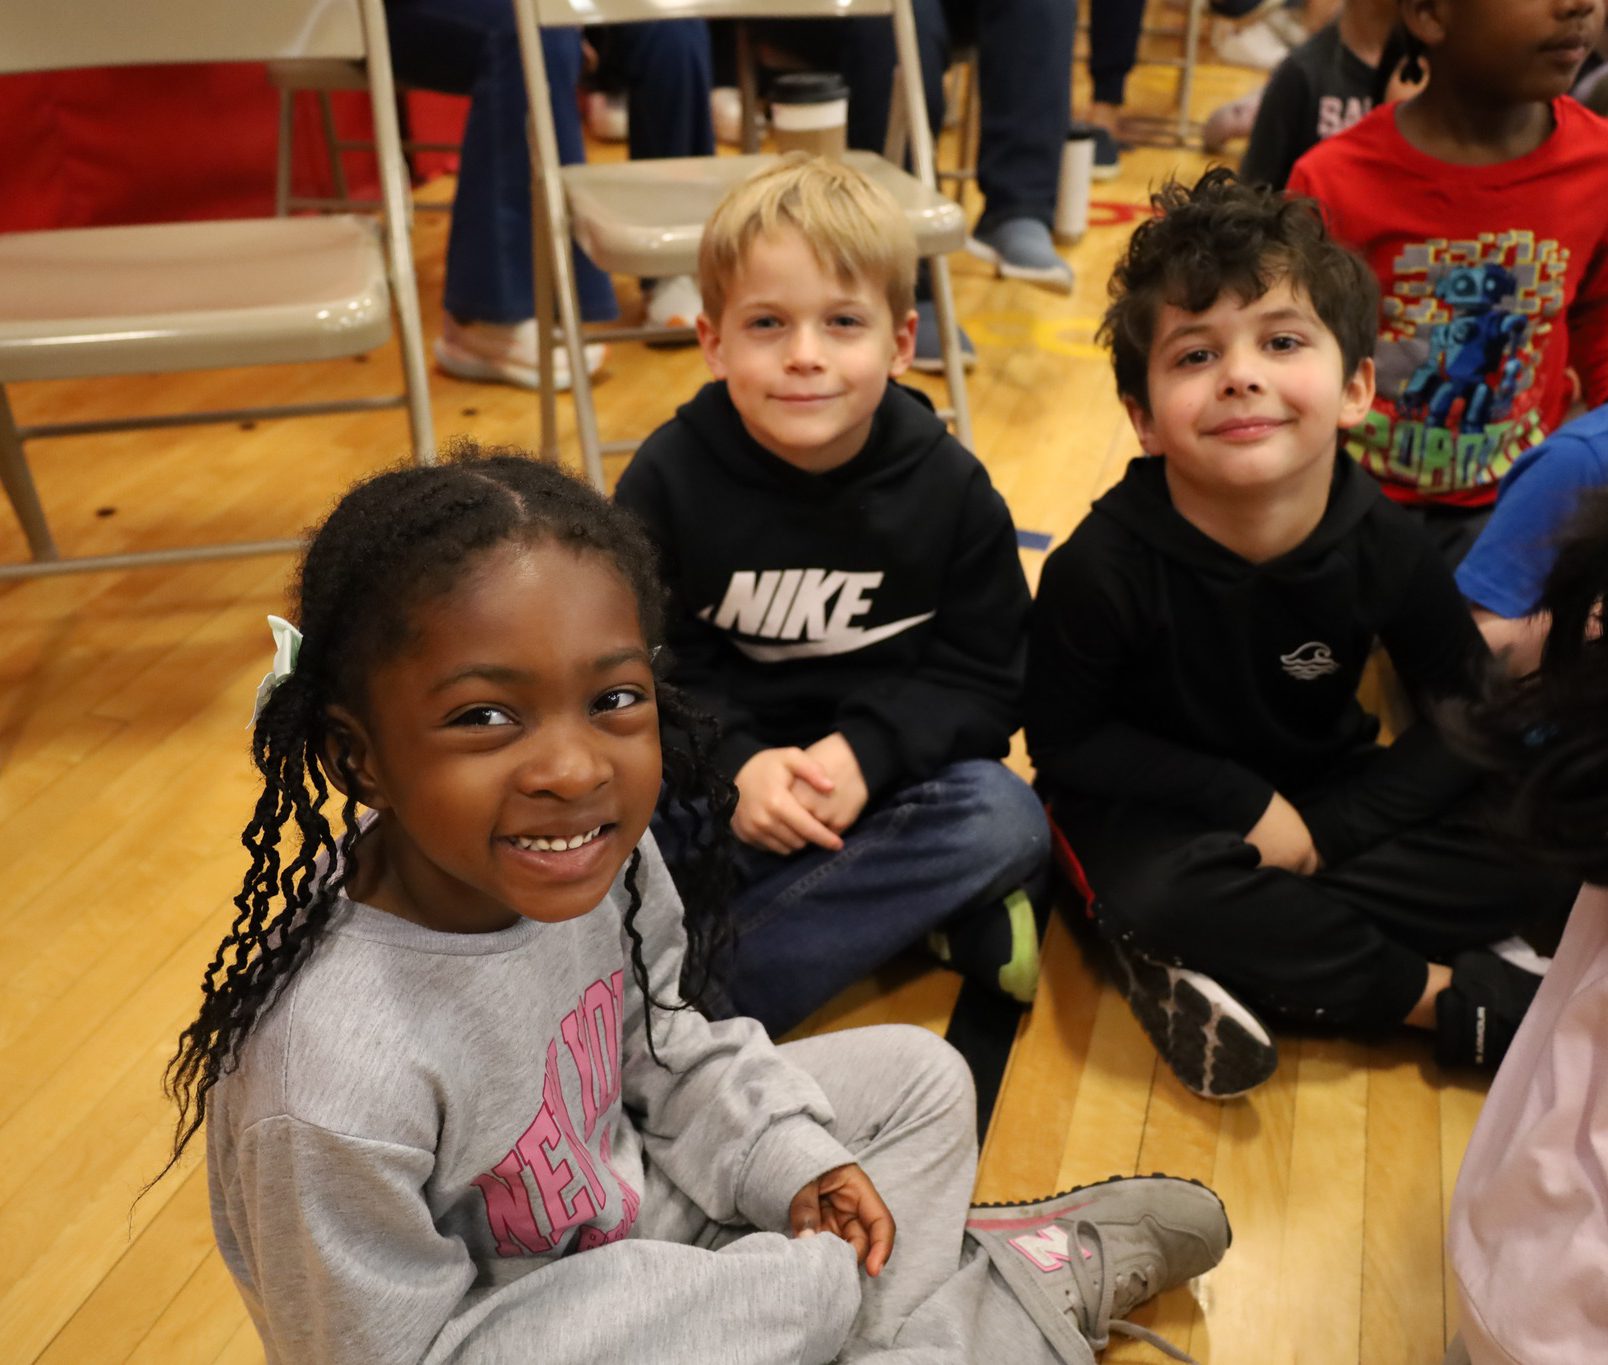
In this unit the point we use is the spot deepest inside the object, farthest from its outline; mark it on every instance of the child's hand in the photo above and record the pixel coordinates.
(841, 806)
(846, 1203)
(1283, 840)
(769, 814)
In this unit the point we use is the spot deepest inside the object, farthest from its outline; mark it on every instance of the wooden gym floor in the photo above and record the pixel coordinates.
(124, 783)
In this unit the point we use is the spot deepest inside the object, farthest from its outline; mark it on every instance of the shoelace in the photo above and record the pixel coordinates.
(1095, 1301)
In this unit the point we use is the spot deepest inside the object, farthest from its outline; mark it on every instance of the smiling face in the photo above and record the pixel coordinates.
(1248, 397)
(512, 748)
(1515, 50)
(805, 355)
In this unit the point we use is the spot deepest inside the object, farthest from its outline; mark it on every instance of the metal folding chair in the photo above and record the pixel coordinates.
(646, 217)
(153, 299)
(319, 78)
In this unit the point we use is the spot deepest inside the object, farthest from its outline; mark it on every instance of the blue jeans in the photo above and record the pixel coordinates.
(811, 923)
(1024, 72)
(470, 47)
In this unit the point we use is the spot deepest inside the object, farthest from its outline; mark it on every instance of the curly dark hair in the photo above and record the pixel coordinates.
(394, 542)
(1221, 234)
(1548, 731)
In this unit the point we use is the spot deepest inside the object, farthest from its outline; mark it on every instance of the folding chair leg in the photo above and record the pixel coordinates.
(287, 134)
(19, 486)
(1186, 77)
(545, 322)
(410, 337)
(943, 299)
(337, 168)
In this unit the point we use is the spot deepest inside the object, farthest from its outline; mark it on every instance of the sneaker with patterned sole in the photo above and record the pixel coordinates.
(1213, 1043)
(1079, 1262)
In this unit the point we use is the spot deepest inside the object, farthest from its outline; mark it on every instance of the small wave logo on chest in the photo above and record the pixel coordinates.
(1308, 661)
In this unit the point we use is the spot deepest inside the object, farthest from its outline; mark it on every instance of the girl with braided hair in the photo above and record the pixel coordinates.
(459, 1104)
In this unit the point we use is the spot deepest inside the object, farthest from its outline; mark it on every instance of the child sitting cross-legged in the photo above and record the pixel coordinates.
(1194, 661)
(459, 1103)
(848, 599)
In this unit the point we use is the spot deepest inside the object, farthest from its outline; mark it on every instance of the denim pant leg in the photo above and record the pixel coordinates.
(470, 47)
(811, 923)
(668, 76)
(1024, 83)
(1114, 27)
(868, 57)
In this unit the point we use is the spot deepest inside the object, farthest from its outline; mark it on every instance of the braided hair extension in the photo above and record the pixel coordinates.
(393, 542)
(1548, 731)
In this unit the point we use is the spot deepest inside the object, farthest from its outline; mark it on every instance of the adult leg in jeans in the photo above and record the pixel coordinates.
(811, 923)
(668, 76)
(470, 47)
(1024, 59)
(1114, 27)
(1024, 54)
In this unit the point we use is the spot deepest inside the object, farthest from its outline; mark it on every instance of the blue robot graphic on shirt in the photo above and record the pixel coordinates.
(1479, 341)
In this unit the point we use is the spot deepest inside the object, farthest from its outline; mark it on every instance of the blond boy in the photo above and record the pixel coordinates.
(848, 600)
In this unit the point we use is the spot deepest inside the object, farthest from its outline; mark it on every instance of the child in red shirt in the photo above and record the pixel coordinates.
(1478, 203)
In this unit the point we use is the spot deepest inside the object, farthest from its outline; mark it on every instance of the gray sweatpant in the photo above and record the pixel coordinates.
(904, 1106)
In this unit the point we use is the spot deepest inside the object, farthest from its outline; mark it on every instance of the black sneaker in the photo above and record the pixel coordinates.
(1107, 155)
(1213, 1043)
(1478, 1014)
(929, 356)
(996, 944)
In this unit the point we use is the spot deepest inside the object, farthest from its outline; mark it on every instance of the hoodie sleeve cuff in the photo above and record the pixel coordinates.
(789, 1155)
(874, 753)
(1237, 799)
(735, 749)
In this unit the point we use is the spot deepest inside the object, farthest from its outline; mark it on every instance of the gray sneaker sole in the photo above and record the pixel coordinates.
(1211, 1053)
(1117, 1198)
(1059, 278)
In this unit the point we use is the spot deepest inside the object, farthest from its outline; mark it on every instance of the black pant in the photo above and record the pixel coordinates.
(1349, 946)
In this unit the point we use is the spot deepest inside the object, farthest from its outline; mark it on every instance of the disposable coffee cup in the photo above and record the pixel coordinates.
(810, 113)
(1072, 195)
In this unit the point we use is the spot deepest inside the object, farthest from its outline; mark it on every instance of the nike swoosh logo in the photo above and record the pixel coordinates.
(842, 642)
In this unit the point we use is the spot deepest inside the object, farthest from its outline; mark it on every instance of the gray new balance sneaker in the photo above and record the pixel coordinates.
(1081, 1261)
(1213, 1043)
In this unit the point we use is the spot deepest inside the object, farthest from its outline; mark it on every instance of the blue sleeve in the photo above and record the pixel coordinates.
(1508, 566)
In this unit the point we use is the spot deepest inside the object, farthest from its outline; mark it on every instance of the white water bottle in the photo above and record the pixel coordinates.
(1072, 196)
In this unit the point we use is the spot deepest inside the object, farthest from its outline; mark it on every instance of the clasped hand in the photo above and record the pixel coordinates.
(845, 1203)
(790, 797)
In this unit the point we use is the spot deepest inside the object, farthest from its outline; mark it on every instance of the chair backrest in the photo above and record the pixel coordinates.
(568, 13)
(531, 15)
(53, 35)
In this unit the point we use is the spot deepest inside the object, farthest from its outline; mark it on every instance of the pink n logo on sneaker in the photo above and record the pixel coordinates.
(1048, 1247)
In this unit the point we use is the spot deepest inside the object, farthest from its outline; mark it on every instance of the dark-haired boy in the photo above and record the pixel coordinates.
(1194, 660)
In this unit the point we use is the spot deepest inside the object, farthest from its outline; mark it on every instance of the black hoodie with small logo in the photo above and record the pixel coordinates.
(1166, 670)
(884, 599)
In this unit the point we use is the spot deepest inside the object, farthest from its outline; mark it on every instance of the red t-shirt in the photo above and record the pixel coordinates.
(1494, 282)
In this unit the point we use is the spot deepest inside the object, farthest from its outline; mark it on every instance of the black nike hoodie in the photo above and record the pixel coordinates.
(1167, 670)
(884, 599)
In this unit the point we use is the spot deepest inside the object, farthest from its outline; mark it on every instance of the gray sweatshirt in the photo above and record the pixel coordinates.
(434, 1148)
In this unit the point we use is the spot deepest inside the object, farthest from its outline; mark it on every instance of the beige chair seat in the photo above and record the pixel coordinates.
(181, 296)
(647, 217)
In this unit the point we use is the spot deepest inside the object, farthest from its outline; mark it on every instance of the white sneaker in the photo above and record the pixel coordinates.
(674, 302)
(504, 353)
(1287, 26)
(606, 117)
(1254, 44)
(726, 113)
